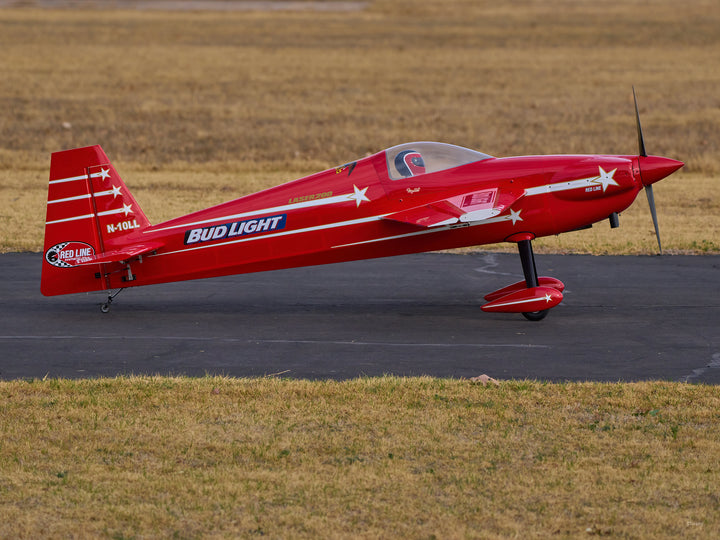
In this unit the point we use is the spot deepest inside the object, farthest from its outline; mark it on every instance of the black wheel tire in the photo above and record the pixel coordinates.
(536, 315)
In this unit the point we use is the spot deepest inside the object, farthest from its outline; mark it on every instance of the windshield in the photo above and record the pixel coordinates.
(412, 159)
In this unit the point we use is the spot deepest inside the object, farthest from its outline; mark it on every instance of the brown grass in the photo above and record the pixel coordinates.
(367, 458)
(262, 96)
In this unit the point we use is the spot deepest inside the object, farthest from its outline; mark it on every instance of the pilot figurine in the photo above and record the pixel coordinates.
(409, 163)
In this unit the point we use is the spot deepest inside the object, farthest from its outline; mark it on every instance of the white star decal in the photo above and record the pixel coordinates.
(359, 195)
(104, 173)
(515, 216)
(116, 191)
(127, 208)
(548, 298)
(606, 178)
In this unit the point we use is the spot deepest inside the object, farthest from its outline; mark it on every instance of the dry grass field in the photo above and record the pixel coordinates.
(201, 107)
(367, 458)
(195, 108)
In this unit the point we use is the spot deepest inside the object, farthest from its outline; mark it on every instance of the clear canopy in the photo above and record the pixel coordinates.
(413, 159)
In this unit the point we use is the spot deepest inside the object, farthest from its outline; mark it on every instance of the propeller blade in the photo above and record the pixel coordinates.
(641, 139)
(651, 202)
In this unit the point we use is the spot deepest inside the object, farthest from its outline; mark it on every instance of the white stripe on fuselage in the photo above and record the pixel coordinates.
(561, 186)
(603, 179)
(431, 230)
(272, 210)
(283, 233)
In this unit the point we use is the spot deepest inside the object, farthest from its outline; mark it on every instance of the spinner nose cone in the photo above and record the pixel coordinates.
(654, 168)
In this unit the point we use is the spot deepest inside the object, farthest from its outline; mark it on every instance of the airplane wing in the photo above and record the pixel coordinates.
(125, 253)
(429, 215)
(466, 208)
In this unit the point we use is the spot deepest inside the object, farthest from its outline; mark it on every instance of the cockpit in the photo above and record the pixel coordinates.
(413, 159)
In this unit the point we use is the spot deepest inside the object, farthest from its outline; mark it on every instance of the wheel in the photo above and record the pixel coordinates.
(105, 307)
(536, 315)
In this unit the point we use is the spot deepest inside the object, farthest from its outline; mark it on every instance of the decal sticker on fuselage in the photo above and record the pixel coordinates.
(69, 254)
(122, 226)
(235, 229)
(350, 167)
(313, 197)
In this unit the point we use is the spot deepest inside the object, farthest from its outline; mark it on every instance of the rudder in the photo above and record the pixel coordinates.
(90, 213)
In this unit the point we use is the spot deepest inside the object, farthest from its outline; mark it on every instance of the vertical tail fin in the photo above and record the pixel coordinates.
(90, 215)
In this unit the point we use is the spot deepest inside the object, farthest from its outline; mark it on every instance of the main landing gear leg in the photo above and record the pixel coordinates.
(106, 306)
(527, 258)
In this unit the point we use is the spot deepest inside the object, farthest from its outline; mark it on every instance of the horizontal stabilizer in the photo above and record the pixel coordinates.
(125, 253)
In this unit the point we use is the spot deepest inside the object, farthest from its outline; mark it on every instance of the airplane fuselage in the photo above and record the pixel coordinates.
(341, 215)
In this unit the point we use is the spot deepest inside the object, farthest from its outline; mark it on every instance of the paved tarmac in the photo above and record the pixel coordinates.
(623, 318)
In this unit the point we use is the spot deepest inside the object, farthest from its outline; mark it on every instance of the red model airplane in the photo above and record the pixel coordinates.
(415, 197)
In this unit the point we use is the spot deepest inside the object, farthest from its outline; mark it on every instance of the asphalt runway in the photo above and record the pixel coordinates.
(623, 319)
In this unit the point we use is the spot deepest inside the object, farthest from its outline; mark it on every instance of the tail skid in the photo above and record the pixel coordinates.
(92, 219)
